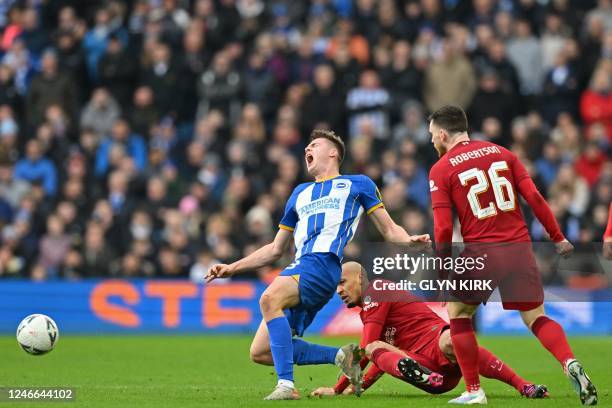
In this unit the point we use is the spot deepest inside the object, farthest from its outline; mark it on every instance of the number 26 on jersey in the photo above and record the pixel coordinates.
(502, 189)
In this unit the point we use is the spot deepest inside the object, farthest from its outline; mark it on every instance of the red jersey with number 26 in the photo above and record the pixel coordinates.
(479, 180)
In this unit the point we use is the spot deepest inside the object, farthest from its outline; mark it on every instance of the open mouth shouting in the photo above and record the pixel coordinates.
(309, 159)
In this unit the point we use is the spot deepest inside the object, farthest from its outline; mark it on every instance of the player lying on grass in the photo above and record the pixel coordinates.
(481, 182)
(321, 218)
(406, 339)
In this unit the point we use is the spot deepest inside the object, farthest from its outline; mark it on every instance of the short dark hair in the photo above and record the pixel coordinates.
(332, 137)
(450, 118)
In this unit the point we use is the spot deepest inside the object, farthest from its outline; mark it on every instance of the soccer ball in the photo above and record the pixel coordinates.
(37, 334)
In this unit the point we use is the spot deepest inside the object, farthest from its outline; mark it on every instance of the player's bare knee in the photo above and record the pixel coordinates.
(267, 303)
(373, 346)
(260, 357)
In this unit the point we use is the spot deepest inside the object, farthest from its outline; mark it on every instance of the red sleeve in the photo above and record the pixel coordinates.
(371, 332)
(442, 206)
(439, 188)
(519, 172)
(443, 225)
(540, 208)
(608, 233)
(538, 204)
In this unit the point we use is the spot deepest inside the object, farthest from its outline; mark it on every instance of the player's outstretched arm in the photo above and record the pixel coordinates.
(265, 255)
(539, 206)
(542, 211)
(393, 232)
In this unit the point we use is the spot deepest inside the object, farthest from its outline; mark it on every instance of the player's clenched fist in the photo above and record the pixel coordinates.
(564, 248)
(218, 271)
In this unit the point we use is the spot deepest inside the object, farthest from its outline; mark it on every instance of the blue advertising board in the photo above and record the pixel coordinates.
(157, 306)
(133, 306)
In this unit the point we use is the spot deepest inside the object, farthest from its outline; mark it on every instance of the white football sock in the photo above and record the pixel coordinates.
(286, 383)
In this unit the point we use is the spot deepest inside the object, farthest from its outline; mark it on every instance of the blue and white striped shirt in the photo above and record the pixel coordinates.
(324, 215)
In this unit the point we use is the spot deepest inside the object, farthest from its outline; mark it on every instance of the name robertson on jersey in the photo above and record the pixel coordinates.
(473, 154)
(325, 203)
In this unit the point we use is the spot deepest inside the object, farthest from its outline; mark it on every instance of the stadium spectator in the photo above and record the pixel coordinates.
(50, 87)
(571, 190)
(191, 65)
(71, 58)
(9, 95)
(320, 105)
(602, 12)
(117, 70)
(260, 85)
(120, 142)
(54, 246)
(143, 113)
(367, 105)
(94, 259)
(95, 40)
(100, 112)
(560, 89)
(219, 88)
(412, 126)
(596, 102)
(402, 78)
(525, 52)
(491, 100)
(31, 32)
(36, 168)
(548, 165)
(449, 80)
(590, 163)
(11, 189)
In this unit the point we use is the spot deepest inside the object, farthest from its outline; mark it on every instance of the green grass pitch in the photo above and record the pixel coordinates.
(214, 371)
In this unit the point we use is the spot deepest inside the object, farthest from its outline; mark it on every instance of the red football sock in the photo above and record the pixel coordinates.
(491, 366)
(552, 337)
(466, 351)
(387, 361)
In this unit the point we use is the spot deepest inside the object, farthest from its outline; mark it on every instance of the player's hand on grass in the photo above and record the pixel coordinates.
(219, 271)
(323, 392)
(564, 248)
(348, 390)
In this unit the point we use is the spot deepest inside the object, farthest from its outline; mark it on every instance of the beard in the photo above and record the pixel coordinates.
(440, 149)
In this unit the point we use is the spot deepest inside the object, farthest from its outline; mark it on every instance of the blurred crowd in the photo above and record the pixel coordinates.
(151, 138)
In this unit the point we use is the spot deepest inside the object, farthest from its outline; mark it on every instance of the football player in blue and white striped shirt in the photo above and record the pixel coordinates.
(321, 217)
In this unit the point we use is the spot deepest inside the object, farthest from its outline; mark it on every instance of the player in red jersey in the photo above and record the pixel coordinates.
(607, 244)
(407, 340)
(481, 182)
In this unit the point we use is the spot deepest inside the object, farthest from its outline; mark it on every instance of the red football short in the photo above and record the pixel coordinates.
(509, 267)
